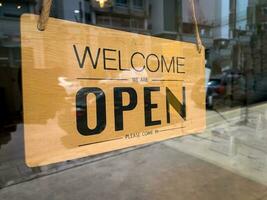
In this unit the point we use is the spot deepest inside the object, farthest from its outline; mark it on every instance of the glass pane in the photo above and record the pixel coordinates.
(225, 161)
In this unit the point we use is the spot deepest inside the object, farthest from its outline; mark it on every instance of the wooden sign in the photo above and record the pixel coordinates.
(89, 90)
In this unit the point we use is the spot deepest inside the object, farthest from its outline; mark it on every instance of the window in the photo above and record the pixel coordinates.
(103, 20)
(139, 4)
(12, 9)
(264, 11)
(123, 3)
(137, 23)
(264, 26)
(120, 22)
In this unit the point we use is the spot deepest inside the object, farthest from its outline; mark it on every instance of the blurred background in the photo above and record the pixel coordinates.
(234, 33)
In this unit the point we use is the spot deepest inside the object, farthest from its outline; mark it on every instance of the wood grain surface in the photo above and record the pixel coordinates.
(65, 58)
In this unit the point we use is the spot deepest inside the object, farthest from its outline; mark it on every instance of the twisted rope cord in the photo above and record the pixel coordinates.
(198, 39)
(45, 12)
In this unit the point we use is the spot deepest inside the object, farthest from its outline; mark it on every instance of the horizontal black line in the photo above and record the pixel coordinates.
(159, 80)
(100, 141)
(170, 129)
(104, 79)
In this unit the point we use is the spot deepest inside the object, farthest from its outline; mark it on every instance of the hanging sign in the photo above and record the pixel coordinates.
(89, 90)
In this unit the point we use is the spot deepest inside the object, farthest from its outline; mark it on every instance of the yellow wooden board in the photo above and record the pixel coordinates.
(89, 90)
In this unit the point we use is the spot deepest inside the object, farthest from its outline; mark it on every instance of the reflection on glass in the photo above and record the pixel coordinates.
(235, 37)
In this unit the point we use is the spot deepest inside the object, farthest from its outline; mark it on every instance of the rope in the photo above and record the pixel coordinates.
(198, 39)
(45, 12)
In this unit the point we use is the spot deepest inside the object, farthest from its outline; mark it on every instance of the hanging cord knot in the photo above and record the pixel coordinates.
(198, 39)
(44, 16)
